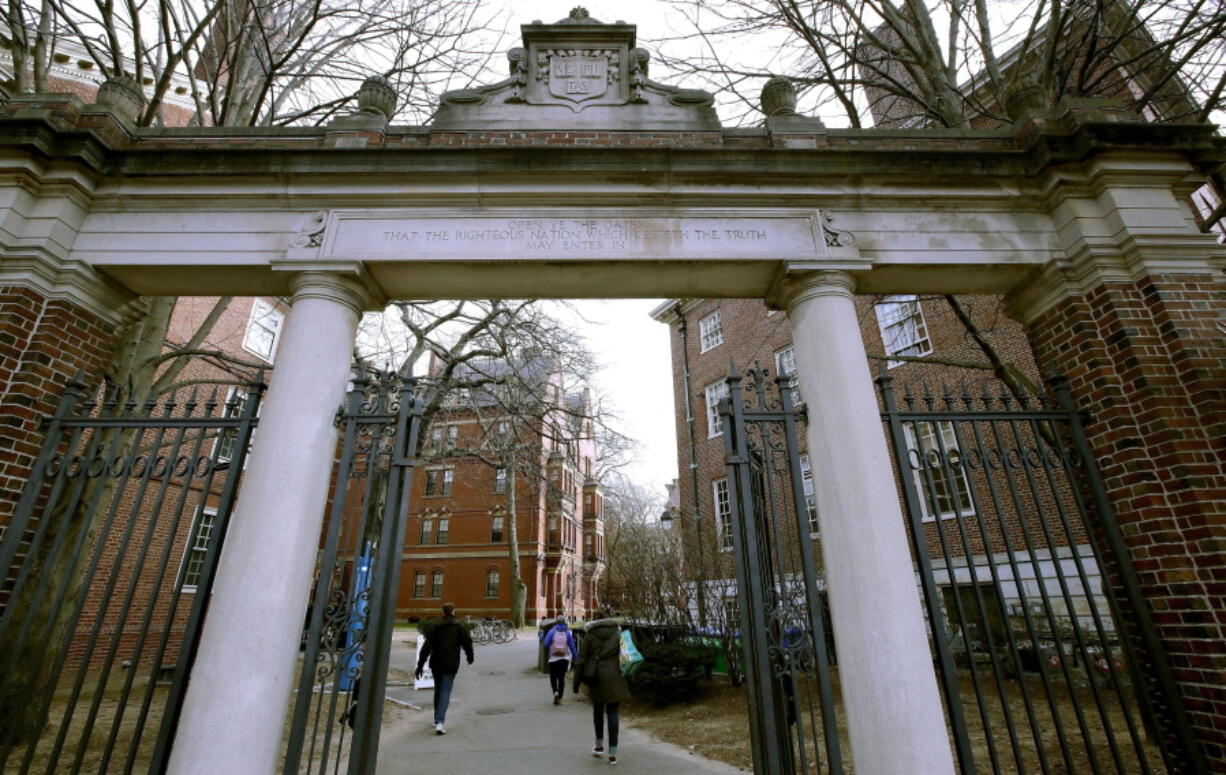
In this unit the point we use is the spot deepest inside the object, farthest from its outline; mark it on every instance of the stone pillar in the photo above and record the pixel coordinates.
(234, 711)
(1134, 314)
(894, 714)
(1147, 359)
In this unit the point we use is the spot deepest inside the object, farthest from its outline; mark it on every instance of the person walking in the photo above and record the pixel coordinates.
(560, 647)
(443, 644)
(598, 666)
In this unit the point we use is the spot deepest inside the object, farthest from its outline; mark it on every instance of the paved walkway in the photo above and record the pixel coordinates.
(502, 721)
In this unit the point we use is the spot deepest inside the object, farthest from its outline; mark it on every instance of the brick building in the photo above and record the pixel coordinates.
(708, 337)
(459, 530)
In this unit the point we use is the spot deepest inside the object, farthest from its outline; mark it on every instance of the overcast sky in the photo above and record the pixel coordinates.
(637, 380)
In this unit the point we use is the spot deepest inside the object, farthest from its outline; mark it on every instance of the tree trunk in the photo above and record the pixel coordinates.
(519, 590)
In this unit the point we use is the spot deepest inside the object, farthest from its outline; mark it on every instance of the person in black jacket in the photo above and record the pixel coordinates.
(443, 644)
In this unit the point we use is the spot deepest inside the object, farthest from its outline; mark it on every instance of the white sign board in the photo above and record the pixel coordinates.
(374, 235)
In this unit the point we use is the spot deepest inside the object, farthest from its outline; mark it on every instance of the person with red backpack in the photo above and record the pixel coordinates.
(561, 650)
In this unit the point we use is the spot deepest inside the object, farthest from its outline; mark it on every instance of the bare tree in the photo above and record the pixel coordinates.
(515, 370)
(960, 62)
(644, 571)
(256, 62)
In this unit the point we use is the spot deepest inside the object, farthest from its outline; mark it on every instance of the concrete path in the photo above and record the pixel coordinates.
(502, 721)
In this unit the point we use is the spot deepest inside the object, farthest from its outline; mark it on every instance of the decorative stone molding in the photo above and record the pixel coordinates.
(578, 72)
(354, 289)
(74, 282)
(802, 286)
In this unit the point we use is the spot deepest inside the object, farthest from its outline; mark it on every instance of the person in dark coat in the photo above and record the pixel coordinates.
(561, 651)
(599, 666)
(443, 644)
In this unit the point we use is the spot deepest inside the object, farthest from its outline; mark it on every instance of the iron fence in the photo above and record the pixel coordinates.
(105, 568)
(1036, 671)
(772, 526)
(337, 711)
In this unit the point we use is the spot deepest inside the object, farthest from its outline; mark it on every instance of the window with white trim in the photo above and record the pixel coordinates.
(492, 582)
(497, 523)
(903, 331)
(436, 584)
(715, 392)
(723, 514)
(806, 480)
(438, 481)
(263, 330)
(440, 535)
(197, 548)
(785, 366)
(938, 472)
(426, 524)
(710, 333)
(500, 480)
(419, 584)
(236, 401)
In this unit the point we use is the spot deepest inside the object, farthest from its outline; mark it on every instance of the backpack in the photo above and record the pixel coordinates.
(557, 645)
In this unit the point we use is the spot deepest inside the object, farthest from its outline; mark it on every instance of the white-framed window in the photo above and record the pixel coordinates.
(785, 366)
(236, 402)
(426, 524)
(500, 480)
(497, 525)
(714, 393)
(902, 327)
(806, 481)
(439, 480)
(723, 514)
(419, 584)
(940, 478)
(436, 583)
(492, 582)
(710, 333)
(440, 535)
(198, 547)
(263, 330)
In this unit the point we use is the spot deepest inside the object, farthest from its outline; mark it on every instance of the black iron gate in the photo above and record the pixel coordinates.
(1036, 671)
(792, 715)
(105, 568)
(338, 707)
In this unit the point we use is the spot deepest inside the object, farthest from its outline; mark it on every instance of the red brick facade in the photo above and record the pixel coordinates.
(43, 344)
(559, 524)
(1147, 360)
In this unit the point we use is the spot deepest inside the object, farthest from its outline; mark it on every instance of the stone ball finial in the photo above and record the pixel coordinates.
(778, 97)
(122, 95)
(1023, 96)
(377, 96)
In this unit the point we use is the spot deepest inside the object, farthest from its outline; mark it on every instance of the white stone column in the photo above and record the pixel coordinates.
(234, 711)
(894, 713)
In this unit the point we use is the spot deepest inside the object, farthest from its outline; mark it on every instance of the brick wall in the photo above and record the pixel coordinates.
(43, 344)
(1149, 363)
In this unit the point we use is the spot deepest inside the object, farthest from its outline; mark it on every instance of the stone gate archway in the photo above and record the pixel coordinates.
(617, 186)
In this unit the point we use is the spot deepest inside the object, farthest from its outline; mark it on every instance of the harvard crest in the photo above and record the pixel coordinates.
(578, 75)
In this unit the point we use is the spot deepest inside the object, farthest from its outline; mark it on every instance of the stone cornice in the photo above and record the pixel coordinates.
(66, 130)
(73, 282)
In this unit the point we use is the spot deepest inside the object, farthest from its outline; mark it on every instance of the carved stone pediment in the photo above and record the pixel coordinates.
(577, 73)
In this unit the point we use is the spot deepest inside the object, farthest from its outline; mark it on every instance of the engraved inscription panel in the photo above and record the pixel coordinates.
(372, 236)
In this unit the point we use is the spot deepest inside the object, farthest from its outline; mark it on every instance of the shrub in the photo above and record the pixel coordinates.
(670, 672)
